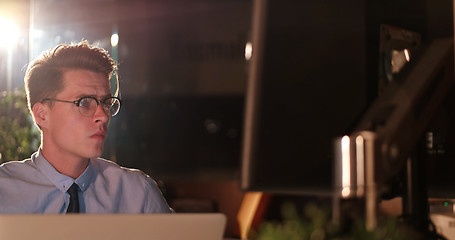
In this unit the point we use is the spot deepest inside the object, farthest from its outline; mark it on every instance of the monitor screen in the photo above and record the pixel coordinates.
(306, 87)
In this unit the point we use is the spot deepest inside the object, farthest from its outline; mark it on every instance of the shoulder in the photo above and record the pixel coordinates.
(109, 169)
(15, 172)
(17, 167)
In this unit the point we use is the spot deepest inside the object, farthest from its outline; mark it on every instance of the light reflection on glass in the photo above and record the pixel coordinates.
(399, 59)
(248, 50)
(346, 166)
(360, 162)
(345, 192)
(406, 54)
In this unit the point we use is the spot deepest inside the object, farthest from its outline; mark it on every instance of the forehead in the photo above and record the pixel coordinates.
(78, 83)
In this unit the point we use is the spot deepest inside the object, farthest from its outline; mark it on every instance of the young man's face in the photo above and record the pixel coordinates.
(68, 132)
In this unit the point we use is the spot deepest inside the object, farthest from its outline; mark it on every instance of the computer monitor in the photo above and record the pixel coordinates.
(314, 72)
(306, 86)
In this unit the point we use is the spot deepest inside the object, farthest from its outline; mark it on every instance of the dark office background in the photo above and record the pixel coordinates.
(183, 70)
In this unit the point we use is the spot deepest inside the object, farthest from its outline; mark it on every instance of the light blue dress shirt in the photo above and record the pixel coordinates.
(35, 186)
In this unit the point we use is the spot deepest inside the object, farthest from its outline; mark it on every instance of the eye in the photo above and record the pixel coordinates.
(85, 102)
(108, 102)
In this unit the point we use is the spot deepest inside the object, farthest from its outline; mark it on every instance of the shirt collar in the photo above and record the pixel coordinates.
(84, 180)
(61, 181)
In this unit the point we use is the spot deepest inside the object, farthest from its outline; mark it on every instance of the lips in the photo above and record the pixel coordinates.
(99, 135)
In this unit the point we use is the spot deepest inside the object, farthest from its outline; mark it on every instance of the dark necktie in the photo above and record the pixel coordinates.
(73, 207)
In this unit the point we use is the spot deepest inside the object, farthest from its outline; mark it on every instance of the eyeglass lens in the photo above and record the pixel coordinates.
(87, 106)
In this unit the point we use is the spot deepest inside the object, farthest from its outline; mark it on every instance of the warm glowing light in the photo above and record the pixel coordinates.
(248, 50)
(114, 39)
(406, 54)
(250, 204)
(360, 162)
(9, 33)
(346, 166)
(399, 59)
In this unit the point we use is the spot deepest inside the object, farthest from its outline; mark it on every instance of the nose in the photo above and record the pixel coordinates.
(100, 115)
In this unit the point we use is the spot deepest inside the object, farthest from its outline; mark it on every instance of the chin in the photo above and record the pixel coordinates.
(95, 154)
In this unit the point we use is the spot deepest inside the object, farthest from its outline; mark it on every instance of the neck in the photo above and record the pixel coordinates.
(66, 164)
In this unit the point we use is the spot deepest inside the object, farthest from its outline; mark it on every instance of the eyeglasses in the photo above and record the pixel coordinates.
(87, 105)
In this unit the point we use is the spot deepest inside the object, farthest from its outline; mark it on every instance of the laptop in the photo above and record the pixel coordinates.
(179, 226)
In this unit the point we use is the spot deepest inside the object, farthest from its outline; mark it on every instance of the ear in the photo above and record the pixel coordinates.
(40, 114)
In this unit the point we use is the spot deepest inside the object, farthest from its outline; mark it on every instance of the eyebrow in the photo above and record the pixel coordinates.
(87, 95)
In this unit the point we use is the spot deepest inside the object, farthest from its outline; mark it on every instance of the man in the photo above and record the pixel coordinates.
(69, 97)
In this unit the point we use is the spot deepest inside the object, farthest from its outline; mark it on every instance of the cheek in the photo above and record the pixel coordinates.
(67, 123)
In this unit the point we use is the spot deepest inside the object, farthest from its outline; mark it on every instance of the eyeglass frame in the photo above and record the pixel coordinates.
(77, 102)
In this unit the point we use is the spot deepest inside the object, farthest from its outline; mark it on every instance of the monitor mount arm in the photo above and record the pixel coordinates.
(382, 144)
